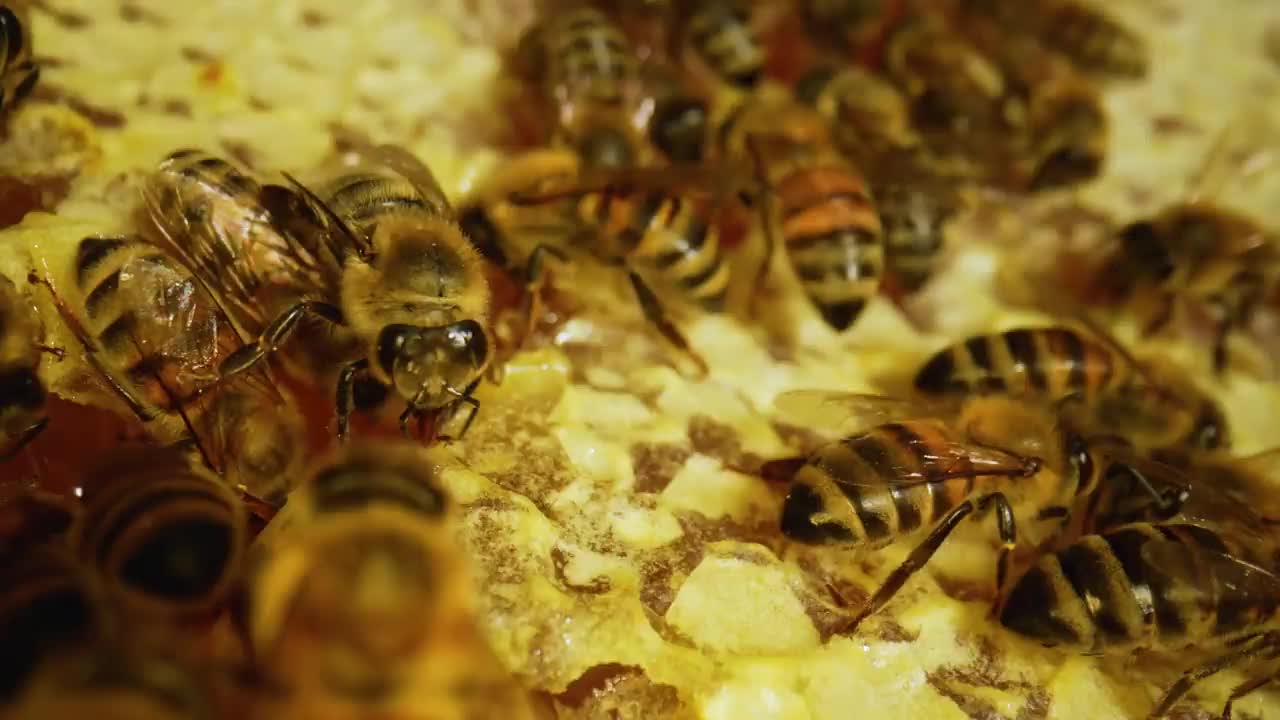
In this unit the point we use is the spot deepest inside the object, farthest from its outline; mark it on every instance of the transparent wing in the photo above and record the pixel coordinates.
(1245, 147)
(1207, 577)
(834, 413)
(937, 461)
(408, 166)
(312, 226)
(229, 242)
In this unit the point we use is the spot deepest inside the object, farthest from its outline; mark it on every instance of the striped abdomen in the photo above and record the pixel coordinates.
(669, 233)
(156, 328)
(913, 221)
(166, 538)
(589, 62)
(721, 33)
(1116, 591)
(874, 487)
(365, 197)
(1050, 362)
(833, 238)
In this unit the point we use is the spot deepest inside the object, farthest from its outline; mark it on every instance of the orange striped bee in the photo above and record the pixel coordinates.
(647, 222)
(1056, 362)
(816, 200)
(18, 74)
(923, 469)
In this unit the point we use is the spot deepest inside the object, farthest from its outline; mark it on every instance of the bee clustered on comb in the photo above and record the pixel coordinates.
(717, 359)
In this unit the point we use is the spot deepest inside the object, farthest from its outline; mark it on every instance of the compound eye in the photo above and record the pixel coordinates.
(1078, 453)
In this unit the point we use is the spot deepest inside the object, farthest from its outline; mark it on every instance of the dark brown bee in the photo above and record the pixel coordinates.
(368, 586)
(165, 537)
(870, 118)
(720, 33)
(1053, 363)
(1165, 586)
(18, 74)
(996, 455)
(822, 206)
(1203, 258)
(22, 394)
(1087, 35)
(589, 79)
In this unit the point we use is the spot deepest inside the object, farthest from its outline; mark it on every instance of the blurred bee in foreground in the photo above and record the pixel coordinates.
(650, 223)
(1054, 363)
(922, 469)
(825, 214)
(110, 682)
(366, 594)
(165, 538)
(48, 607)
(22, 395)
(18, 74)
(590, 82)
(155, 337)
(375, 249)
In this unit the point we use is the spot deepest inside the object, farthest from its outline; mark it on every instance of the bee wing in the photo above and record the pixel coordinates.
(842, 413)
(1206, 577)
(408, 166)
(314, 231)
(937, 461)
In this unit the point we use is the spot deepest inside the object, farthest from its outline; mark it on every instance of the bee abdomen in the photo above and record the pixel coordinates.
(833, 239)
(852, 492)
(1044, 362)
(684, 247)
(721, 31)
(590, 58)
(354, 485)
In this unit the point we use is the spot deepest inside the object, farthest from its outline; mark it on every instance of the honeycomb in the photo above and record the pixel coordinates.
(626, 554)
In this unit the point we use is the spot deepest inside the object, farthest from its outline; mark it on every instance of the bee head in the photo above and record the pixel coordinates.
(679, 128)
(431, 366)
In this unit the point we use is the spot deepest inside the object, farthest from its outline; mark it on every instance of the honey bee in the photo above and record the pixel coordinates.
(363, 592)
(1164, 586)
(156, 338)
(1200, 256)
(870, 118)
(640, 222)
(825, 213)
(48, 606)
(995, 455)
(22, 395)
(1056, 362)
(373, 249)
(589, 76)
(720, 34)
(18, 74)
(1087, 35)
(165, 537)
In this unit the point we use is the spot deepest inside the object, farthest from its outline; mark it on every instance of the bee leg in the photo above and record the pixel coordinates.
(926, 549)
(1248, 649)
(346, 393)
(409, 412)
(1250, 685)
(534, 279)
(25, 439)
(654, 313)
(465, 398)
(275, 334)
